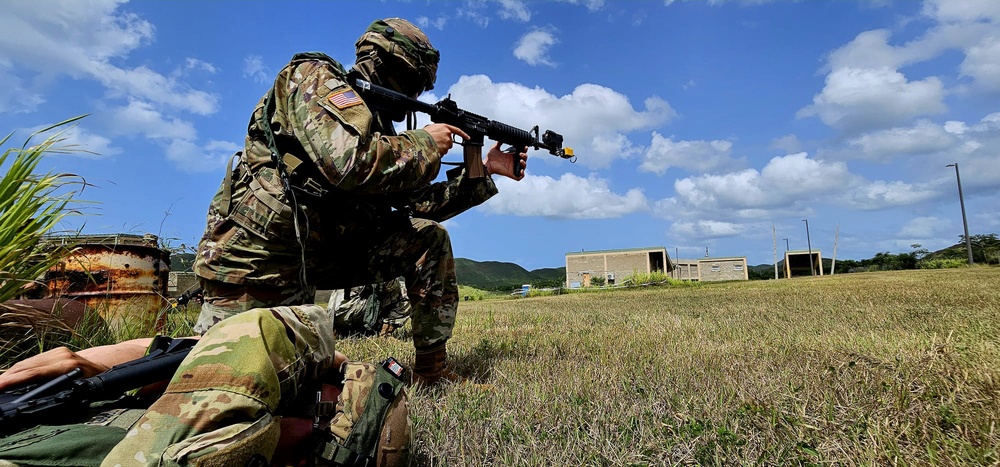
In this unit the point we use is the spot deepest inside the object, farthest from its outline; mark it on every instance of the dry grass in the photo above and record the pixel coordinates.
(887, 368)
(862, 369)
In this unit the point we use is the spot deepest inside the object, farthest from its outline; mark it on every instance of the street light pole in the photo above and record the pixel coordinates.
(812, 268)
(965, 223)
(786, 244)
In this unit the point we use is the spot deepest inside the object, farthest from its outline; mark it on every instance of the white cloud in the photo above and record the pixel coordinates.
(477, 12)
(789, 186)
(533, 47)
(859, 98)
(569, 197)
(982, 64)
(437, 23)
(924, 227)
(89, 40)
(515, 10)
(788, 143)
(177, 137)
(882, 194)
(193, 64)
(142, 118)
(77, 141)
(191, 157)
(870, 50)
(15, 96)
(701, 156)
(783, 181)
(866, 89)
(962, 10)
(254, 68)
(593, 119)
(707, 229)
(81, 39)
(922, 138)
(592, 5)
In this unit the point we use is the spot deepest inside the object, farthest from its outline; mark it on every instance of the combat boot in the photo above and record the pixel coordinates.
(387, 330)
(431, 367)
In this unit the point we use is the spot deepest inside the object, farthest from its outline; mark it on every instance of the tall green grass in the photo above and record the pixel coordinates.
(887, 368)
(31, 205)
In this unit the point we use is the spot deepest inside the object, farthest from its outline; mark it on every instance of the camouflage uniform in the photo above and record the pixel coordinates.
(387, 301)
(367, 210)
(219, 397)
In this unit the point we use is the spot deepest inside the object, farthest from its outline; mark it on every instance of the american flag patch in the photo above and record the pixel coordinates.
(344, 99)
(393, 367)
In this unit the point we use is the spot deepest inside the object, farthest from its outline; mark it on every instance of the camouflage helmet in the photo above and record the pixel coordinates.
(399, 38)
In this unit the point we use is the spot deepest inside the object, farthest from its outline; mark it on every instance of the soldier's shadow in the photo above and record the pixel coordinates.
(476, 363)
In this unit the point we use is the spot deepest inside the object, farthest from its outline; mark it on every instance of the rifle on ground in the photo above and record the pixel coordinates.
(66, 396)
(476, 126)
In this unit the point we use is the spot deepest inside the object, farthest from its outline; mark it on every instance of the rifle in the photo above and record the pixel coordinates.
(186, 297)
(66, 396)
(476, 126)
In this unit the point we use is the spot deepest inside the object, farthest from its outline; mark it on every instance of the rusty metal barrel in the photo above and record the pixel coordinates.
(121, 276)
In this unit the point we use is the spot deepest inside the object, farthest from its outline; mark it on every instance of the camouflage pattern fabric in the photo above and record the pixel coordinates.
(349, 316)
(358, 229)
(219, 398)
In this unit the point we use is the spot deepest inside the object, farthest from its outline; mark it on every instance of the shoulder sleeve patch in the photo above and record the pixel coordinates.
(345, 105)
(344, 98)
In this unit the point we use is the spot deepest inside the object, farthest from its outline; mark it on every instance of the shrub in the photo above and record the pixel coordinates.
(942, 263)
(642, 278)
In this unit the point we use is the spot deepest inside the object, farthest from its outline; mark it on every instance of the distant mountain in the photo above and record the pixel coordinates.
(486, 275)
(181, 262)
(491, 275)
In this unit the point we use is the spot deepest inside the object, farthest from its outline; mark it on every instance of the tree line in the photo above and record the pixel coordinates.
(985, 250)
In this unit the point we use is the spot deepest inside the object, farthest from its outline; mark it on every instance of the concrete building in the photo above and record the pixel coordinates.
(613, 266)
(797, 263)
(685, 269)
(181, 282)
(712, 269)
(723, 269)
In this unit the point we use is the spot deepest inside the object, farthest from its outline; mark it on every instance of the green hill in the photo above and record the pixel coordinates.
(485, 275)
(493, 275)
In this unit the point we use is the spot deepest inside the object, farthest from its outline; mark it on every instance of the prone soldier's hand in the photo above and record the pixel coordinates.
(48, 365)
(442, 134)
(502, 163)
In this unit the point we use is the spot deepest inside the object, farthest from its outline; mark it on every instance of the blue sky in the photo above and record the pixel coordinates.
(696, 124)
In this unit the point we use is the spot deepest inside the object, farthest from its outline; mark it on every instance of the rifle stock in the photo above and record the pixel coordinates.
(476, 126)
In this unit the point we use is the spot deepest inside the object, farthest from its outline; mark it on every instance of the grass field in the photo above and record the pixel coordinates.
(859, 369)
(887, 368)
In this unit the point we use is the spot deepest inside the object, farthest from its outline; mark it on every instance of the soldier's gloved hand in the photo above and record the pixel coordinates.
(502, 162)
(442, 134)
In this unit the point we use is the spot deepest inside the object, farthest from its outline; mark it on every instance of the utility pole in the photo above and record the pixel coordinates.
(787, 275)
(812, 267)
(836, 238)
(774, 239)
(965, 222)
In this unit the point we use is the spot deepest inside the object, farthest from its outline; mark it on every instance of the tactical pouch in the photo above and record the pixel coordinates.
(372, 424)
(259, 210)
